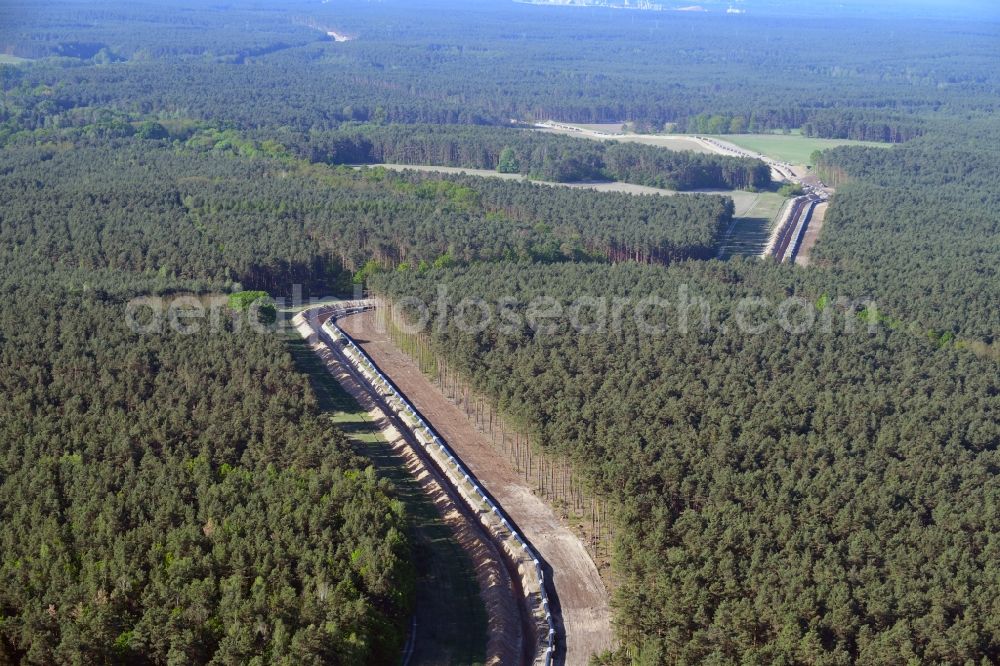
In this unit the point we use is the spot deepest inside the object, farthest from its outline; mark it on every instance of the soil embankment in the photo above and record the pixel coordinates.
(505, 642)
(581, 601)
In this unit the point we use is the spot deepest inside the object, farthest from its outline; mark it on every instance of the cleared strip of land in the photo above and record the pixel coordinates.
(670, 141)
(742, 199)
(752, 227)
(582, 604)
(448, 614)
(811, 234)
(449, 623)
(793, 148)
(607, 128)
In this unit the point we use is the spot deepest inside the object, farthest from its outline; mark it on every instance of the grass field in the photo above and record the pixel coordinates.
(451, 619)
(752, 227)
(11, 60)
(668, 141)
(743, 201)
(792, 148)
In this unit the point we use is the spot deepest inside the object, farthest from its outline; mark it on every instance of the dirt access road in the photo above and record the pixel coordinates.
(577, 594)
(811, 234)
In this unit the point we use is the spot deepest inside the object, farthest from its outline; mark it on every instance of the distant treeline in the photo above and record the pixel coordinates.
(856, 125)
(495, 64)
(537, 155)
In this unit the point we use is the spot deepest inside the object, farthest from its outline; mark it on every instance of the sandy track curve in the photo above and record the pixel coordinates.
(505, 640)
(580, 600)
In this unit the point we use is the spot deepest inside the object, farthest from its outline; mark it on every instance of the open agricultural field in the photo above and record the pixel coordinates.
(791, 148)
(11, 60)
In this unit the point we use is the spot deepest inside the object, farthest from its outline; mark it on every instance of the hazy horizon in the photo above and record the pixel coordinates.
(935, 9)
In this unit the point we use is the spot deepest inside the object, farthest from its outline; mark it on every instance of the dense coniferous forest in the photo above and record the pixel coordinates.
(176, 498)
(542, 156)
(819, 496)
(183, 499)
(918, 227)
(824, 496)
(702, 73)
(203, 211)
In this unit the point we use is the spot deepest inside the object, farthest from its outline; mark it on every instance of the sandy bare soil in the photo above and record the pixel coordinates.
(812, 234)
(626, 188)
(339, 36)
(607, 128)
(804, 174)
(506, 640)
(603, 186)
(428, 168)
(580, 600)
(673, 142)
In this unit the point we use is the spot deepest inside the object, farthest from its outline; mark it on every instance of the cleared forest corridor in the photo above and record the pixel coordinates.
(577, 590)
